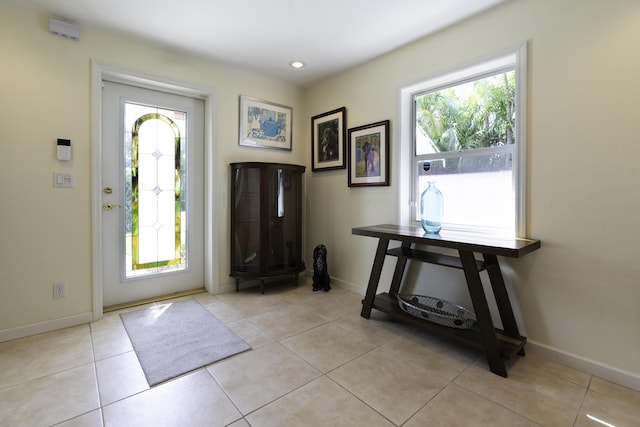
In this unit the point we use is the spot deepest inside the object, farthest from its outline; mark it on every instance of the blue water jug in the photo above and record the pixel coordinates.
(431, 209)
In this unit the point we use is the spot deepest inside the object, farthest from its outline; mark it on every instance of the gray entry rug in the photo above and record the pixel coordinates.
(177, 337)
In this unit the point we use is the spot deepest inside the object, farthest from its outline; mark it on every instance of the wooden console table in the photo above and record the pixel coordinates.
(496, 343)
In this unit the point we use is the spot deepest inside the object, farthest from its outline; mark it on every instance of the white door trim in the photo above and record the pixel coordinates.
(100, 72)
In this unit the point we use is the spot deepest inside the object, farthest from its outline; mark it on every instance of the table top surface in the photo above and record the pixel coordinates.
(474, 242)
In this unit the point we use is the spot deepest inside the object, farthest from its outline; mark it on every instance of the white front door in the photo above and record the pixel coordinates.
(152, 193)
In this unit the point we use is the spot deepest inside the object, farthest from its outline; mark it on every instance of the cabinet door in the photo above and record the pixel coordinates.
(246, 220)
(284, 218)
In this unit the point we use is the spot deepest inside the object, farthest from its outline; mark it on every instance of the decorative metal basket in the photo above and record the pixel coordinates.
(437, 311)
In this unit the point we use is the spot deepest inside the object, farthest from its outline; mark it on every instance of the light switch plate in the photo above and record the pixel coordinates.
(63, 179)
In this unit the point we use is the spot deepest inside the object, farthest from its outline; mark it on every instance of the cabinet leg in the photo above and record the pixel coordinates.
(374, 279)
(237, 285)
(483, 315)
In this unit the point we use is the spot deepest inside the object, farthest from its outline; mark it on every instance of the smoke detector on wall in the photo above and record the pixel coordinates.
(64, 29)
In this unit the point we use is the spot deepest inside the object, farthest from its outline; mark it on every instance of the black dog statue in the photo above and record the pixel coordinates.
(320, 270)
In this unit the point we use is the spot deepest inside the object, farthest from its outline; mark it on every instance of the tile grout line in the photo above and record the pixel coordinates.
(584, 397)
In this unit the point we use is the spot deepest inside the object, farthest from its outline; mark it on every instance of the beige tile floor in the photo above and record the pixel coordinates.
(314, 362)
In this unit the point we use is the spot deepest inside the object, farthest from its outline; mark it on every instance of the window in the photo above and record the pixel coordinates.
(468, 127)
(155, 217)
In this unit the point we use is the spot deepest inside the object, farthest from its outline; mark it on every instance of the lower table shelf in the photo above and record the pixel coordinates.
(508, 346)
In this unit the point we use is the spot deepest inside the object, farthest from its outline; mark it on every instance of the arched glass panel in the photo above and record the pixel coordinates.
(155, 236)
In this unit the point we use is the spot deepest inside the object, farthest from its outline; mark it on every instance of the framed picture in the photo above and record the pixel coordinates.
(265, 124)
(369, 155)
(328, 136)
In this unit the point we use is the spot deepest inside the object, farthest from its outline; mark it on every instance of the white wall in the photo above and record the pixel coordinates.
(45, 94)
(577, 298)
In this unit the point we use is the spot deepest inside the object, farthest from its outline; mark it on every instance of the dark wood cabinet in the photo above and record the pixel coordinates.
(266, 221)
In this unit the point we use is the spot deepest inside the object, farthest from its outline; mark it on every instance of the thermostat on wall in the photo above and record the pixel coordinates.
(64, 149)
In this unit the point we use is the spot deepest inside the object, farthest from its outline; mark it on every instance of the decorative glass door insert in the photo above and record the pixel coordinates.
(154, 184)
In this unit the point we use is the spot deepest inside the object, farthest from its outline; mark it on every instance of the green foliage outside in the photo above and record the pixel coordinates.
(478, 114)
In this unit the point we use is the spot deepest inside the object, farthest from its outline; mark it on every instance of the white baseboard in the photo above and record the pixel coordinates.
(609, 373)
(348, 286)
(223, 289)
(352, 287)
(46, 326)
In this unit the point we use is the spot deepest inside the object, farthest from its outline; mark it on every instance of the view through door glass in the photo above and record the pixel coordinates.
(152, 177)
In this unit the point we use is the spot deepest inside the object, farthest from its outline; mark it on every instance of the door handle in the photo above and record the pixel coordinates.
(109, 206)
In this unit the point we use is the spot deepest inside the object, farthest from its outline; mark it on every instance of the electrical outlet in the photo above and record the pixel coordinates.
(58, 290)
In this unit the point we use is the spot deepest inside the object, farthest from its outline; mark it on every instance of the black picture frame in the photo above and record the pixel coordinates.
(328, 138)
(369, 155)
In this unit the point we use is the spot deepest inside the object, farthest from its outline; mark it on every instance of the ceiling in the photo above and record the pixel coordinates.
(329, 36)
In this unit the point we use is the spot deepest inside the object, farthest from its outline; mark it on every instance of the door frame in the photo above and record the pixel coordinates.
(100, 72)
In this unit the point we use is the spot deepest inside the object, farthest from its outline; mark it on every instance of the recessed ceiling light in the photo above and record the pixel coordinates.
(296, 64)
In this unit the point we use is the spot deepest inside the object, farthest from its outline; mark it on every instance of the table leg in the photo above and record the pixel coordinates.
(502, 297)
(483, 315)
(374, 279)
(398, 272)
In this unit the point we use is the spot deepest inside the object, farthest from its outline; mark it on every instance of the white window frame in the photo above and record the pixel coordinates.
(515, 58)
